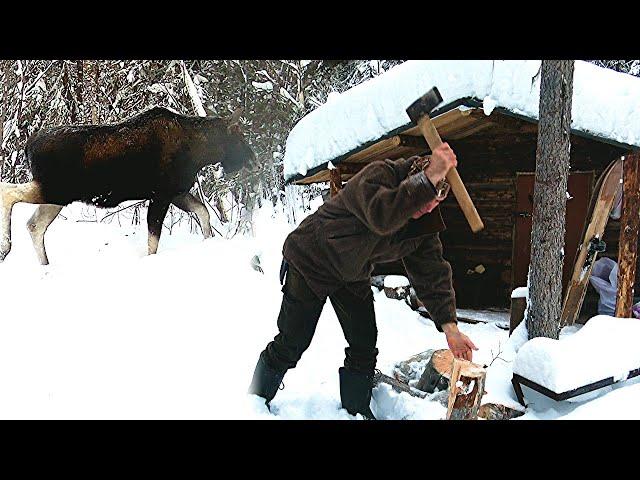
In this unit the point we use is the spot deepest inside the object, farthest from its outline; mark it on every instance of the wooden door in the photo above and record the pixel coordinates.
(579, 187)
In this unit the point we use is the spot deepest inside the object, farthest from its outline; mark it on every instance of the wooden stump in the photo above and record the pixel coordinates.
(396, 287)
(466, 390)
(409, 370)
(437, 373)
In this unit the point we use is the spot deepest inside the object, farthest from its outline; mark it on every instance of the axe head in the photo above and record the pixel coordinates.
(424, 105)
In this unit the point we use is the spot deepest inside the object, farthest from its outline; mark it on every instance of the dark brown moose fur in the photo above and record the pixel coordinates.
(154, 156)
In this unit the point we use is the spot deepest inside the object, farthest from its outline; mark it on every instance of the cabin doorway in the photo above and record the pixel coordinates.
(580, 185)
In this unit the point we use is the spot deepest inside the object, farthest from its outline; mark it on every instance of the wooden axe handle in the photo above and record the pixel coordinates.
(459, 190)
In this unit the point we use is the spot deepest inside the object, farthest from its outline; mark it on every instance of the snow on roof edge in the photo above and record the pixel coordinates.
(374, 109)
(324, 165)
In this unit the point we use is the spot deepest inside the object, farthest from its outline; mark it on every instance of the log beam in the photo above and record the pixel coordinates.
(335, 181)
(351, 168)
(629, 225)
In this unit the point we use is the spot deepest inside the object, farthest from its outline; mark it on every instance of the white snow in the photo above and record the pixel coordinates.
(266, 86)
(618, 403)
(605, 104)
(500, 318)
(604, 347)
(107, 332)
(396, 281)
(520, 292)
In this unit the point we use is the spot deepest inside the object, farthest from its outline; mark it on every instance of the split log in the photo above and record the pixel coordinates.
(494, 411)
(466, 390)
(437, 373)
(397, 385)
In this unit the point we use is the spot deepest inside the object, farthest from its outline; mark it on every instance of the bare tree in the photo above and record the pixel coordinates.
(549, 199)
(4, 107)
(91, 88)
(79, 90)
(632, 67)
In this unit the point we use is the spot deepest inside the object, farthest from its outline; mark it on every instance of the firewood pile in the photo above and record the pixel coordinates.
(457, 384)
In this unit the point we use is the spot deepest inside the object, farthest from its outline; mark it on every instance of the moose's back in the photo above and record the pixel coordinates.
(105, 165)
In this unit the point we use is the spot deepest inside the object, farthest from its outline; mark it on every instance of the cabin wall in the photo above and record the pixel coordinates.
(488, 165)
(490, 154)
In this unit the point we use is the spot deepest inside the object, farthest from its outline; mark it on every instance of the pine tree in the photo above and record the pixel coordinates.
(549, 199)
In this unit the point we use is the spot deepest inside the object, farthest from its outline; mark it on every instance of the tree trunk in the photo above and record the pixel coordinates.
(18, 118)
(92, 96)
(73, 116)
(4, 108)
(628, 245)
(550, 198)
(79, 89)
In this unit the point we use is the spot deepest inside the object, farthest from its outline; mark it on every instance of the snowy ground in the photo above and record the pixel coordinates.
(106, 332)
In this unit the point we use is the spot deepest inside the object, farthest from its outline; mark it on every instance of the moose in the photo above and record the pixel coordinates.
(152, 156)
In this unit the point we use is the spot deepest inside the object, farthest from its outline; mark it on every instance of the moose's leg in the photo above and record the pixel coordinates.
(189, 203)
(10, 194)
(37, 226)
(155, 216)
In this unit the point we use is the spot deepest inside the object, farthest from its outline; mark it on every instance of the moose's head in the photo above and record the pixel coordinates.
(238, 154)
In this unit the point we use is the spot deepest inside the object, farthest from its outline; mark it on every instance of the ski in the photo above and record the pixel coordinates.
(601, 205)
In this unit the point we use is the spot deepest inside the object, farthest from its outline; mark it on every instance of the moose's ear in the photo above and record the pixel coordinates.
(234, 119)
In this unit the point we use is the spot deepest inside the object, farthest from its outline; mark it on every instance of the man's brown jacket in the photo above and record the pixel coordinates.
(369, 221)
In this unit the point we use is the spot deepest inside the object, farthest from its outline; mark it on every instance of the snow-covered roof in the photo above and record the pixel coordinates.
(605, 104)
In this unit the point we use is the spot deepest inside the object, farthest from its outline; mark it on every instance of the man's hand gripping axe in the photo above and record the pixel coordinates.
(419, 113)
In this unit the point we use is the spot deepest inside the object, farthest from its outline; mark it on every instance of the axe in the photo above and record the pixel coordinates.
(419, 112)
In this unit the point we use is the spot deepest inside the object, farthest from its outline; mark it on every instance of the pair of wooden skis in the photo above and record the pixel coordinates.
(608, 185)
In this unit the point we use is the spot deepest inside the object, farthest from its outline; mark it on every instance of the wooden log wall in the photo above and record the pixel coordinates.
(488, 163)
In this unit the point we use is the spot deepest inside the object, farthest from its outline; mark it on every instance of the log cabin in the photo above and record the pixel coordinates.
(489, 117)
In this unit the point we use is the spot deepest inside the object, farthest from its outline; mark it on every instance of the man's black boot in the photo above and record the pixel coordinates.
(265, 380)
(355, 392)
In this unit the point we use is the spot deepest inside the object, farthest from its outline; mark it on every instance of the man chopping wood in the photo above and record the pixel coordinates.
(386, 212)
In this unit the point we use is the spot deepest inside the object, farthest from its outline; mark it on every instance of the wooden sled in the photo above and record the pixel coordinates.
(517, 381)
